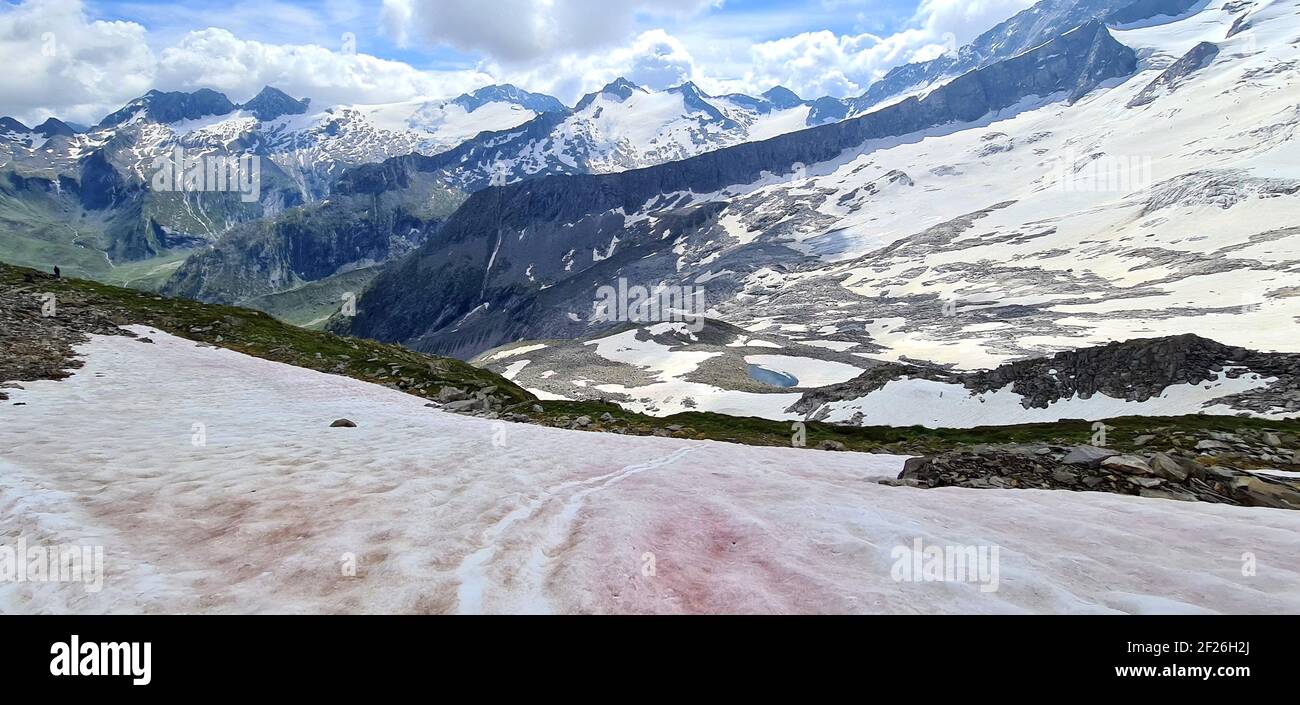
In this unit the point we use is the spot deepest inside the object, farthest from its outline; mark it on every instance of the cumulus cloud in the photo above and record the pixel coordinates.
(215, 58)
(58, 62)
(518, 31)
(61, 62)
(823, 63)
(653, 59)
(966, 19)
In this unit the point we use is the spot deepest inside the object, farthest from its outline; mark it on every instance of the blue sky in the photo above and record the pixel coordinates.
(366, 51)
(324, 21)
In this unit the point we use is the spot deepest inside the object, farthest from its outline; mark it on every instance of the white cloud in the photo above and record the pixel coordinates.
(562, 47)
(966, 19)
(215, 58)
(823, 63)
(654, 59)
(518, 31)
(58, 62)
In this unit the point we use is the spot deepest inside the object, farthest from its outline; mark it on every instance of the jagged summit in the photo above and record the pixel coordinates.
(697, 101)
(53, 127)
(272, 103)
(781, 97)
(159, 106)
(9, 124)
(1027, 29)
(506, 93)
(620, 89)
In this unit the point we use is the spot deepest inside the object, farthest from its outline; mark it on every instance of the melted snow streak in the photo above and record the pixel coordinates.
(449, 514)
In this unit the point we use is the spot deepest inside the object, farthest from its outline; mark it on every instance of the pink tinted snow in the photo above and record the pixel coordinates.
(442, 513)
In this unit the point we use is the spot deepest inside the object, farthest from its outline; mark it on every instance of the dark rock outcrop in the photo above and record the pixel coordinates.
(1174, 475)
(506, 93)
(53, 127)
(1134, 370)
(1197, 58)
(1148, 9)
(311, 243)
(1022, 32)
(8, 124)
(172, 107)
(272, 103)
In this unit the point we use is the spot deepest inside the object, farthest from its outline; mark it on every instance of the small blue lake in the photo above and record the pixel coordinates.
(772, 377)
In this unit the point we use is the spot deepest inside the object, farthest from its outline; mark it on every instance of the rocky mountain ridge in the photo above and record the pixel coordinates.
(493, 271)
(1132, 370)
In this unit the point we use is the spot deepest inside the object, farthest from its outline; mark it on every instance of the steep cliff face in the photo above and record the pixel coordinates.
(163, 107)
(512, 260)
(272, 103)
(313, 243)
(1141, 10)
(1197, 58)
(1022, 32)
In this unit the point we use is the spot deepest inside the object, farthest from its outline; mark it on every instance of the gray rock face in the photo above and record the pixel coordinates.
(1128, 464)
(1133, 370)
(1147, 9)
(462, 405)
(53, 127)
(1167, 82)
(172, 107)
(1022, 32)
(272, 103)
(1088, 455)
(1017, 468)
(450, 394)
(472, 288)
(1170, 468)
(312, 243)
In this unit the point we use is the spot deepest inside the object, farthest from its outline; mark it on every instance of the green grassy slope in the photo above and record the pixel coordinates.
(258, 334)
(312, 304)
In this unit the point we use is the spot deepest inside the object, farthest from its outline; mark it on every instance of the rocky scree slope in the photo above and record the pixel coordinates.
(1134, 370)
(1247, 467)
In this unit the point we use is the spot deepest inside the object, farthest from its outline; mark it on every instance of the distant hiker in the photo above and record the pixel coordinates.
(56, 272)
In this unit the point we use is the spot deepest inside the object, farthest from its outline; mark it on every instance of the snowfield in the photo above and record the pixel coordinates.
(1045, 226)
(215, 484)
(911, 401)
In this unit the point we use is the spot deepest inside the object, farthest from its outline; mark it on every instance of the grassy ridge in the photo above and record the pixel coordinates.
(310, 305)
(260, 335)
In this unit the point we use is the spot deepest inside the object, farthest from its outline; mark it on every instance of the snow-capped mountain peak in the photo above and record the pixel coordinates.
(174, 106)
(781, 97)
(52, 127)
(506, 93)
(618, 90)
(8, 124)
(272, 103)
